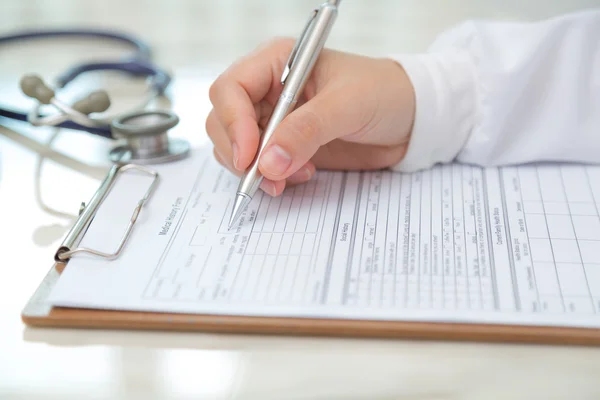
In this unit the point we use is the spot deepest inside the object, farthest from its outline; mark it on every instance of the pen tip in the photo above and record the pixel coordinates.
(241, 201)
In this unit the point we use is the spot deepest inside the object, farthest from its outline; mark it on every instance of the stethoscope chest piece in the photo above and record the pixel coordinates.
(147, 140)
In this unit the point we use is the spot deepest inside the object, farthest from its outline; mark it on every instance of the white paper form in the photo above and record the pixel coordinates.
(454, 243)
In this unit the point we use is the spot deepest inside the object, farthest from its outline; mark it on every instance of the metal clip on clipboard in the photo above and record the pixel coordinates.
(87, 213)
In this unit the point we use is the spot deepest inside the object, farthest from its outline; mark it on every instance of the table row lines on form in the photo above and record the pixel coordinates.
(298, 213)
(301, 291)
(569, 280)
(299, 209)
(558, 250)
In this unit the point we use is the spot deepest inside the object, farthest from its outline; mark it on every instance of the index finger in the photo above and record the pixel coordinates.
(234, 95)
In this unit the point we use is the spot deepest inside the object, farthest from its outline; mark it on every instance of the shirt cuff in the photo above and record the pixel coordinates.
(444, 85)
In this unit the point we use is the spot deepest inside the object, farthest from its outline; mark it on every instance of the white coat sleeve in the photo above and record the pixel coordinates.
(499, 93)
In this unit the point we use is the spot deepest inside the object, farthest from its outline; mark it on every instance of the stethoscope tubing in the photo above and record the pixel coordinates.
(137, 64)
(101, 131)
(142, 51)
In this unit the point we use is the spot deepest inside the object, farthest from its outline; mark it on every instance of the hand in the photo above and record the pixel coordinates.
(356, 113)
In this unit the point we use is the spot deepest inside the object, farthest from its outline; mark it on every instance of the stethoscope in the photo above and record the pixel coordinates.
(145, 131)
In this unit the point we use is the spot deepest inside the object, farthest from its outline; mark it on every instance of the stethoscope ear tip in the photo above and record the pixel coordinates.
(95, 102)
(33, 86)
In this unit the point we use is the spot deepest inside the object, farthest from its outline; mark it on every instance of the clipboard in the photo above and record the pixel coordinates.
(39, 313)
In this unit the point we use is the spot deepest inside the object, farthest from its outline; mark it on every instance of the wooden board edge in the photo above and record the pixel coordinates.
(37, 313)
(123, 320)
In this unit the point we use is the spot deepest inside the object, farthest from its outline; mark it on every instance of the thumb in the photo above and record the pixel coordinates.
(300, 135)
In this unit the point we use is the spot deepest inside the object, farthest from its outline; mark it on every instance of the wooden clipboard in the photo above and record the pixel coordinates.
(39, 313)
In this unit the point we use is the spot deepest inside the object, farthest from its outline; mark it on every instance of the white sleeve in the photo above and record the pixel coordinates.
(498, 93)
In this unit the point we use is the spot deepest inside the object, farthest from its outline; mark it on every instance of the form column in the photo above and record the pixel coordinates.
(461, 288)
(586, 226)
(343, 280)
(371, 291)
(414, 241)
(486, 278)
(382, 284)
(357, 282)
(471, 251)
(449, 271)
(591, 255)
(546, 276)
(563, 240)
(503, 270)
(437, 239)
(329, 189)
(563, 243)
(253, 270)
(268, 268)
(394, 248)
(425, 294)
(519, 242)
(404, 231)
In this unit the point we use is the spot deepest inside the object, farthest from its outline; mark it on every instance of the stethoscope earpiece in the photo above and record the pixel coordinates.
(95, 102)
(33, 86)
(145, 132)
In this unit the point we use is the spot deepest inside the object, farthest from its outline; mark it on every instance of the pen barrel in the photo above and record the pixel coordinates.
(252, 177)
(309, 51)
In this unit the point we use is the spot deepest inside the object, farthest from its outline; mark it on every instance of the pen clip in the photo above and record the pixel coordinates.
(292, 58)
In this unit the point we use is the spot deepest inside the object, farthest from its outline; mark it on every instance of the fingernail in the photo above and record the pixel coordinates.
(275, 160)
(268, 187)
(234, 149)
(308, 173)
(303, 175)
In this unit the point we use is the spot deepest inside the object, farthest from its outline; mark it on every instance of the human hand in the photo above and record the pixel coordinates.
(356, 113)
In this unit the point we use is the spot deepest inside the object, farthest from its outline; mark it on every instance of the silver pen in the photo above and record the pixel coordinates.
(295, 74)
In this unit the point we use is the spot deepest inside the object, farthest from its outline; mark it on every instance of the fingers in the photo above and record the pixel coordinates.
(223, 152)
(315, 123)
(276, 188)
(221, 142)
(235, 112)
(303, 175)
(271, 188)
(234, 96)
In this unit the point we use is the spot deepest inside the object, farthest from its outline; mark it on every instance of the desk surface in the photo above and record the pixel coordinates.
(41, 189)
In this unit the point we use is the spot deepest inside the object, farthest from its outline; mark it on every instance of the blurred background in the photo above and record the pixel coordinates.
(208, 34)
(195, 40)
